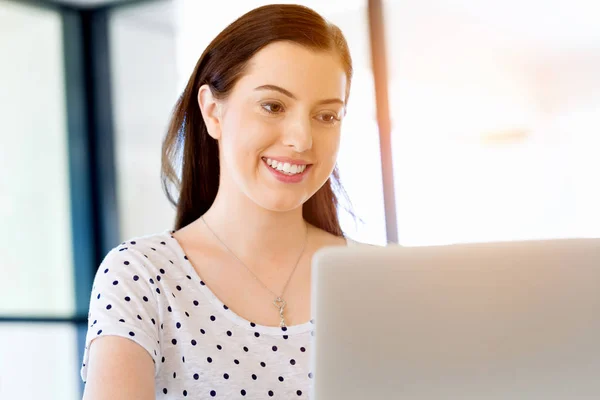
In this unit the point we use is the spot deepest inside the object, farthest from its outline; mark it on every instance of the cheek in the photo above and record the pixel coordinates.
(246, 136)
(328, 145)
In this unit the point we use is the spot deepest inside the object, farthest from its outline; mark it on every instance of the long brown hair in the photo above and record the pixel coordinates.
(189, 147)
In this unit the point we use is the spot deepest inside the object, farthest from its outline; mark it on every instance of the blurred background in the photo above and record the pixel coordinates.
(468, 121)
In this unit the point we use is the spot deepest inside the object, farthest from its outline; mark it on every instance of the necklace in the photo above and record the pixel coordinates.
(279, 303)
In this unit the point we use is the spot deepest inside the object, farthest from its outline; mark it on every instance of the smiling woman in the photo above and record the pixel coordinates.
(219, 306)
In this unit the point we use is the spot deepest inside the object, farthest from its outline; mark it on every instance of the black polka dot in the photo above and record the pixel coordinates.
(108, 307)
(132, 242)
(274, 348)
(196, 376)
(174, 341)
(299, 392)
(158, 290)
(152, 281)
(121, 320)
(185, 392)
(209, 359)
(100, 331)
(106, 270)
(189, 277)
(163, 359)
(193, 342)
(126, 263)
(162, 243)
(252, 324)
(243, 392)
(165, 390)
(178, 287)
(98, 296)
(229, 333)
(94, 323)
(158, 278)
(145, 299)
(219, 347)
(285, 336)
(262, 364)
(178, 325)
(245, 349)
(293, 362)
(302, 349)
(183, 359)
(202, 283)
(138, 317)
(213, 393)
(162, 271)
(187, 314)
(225, 307)
(256, 334)
(270, 393)
(174, 375)
(236, 361)
(127, 298)
(284, 328)
(169, 309)
(310, 375)
(212, 318)
(135, 277)
(226, 376)
(196, 302)
(153, 321)
(153, 248)
(281, 379)
(254, 377)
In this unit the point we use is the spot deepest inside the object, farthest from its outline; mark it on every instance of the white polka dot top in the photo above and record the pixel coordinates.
(146, 290)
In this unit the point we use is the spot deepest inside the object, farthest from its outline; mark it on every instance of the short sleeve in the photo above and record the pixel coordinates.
(123, 303)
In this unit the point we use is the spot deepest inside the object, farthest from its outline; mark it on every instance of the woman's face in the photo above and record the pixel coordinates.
(279, 130)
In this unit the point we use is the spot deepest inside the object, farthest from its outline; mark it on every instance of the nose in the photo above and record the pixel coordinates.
(298, 134)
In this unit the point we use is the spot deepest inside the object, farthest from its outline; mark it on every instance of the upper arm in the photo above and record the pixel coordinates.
(122, 347)
(119, 369)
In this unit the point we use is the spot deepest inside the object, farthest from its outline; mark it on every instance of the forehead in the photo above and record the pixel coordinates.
(304, 72)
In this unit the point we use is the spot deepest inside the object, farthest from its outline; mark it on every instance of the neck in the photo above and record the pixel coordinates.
(259, 237)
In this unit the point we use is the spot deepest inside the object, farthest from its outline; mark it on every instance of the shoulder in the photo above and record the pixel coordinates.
(143, 254)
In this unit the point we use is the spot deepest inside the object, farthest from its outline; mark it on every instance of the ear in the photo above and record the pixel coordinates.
(211, 111)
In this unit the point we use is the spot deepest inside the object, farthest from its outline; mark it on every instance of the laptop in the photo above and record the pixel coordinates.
(509, 320)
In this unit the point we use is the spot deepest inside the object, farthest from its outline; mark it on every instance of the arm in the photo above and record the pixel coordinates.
(119, 369)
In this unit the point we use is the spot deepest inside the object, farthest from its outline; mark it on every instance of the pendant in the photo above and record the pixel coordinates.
(280, 304)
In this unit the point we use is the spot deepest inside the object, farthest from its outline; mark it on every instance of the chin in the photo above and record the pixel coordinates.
(280, 202)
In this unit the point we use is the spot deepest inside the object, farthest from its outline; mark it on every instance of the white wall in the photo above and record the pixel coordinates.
(144, 90)
(496, 120)
(35, 239)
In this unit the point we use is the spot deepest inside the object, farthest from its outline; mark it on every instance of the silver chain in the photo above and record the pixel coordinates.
(253, 274)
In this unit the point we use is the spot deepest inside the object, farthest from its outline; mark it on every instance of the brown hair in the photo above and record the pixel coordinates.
(187, 144)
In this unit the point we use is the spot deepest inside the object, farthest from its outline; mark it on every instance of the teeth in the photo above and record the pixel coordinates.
(288, 168)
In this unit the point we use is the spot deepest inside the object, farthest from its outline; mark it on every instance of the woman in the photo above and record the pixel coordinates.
(220, 306)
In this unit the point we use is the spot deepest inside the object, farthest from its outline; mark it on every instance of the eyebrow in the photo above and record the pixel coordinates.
(291, 95)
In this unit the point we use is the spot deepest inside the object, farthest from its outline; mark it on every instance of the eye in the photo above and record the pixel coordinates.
(328, 118)
(272, 108)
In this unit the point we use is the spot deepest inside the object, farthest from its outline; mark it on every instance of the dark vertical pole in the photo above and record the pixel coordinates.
(379, 60)
(91, 152)
(96, 53)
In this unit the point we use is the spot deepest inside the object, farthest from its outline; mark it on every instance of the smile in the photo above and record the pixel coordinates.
(285, 168)
(287, 172)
